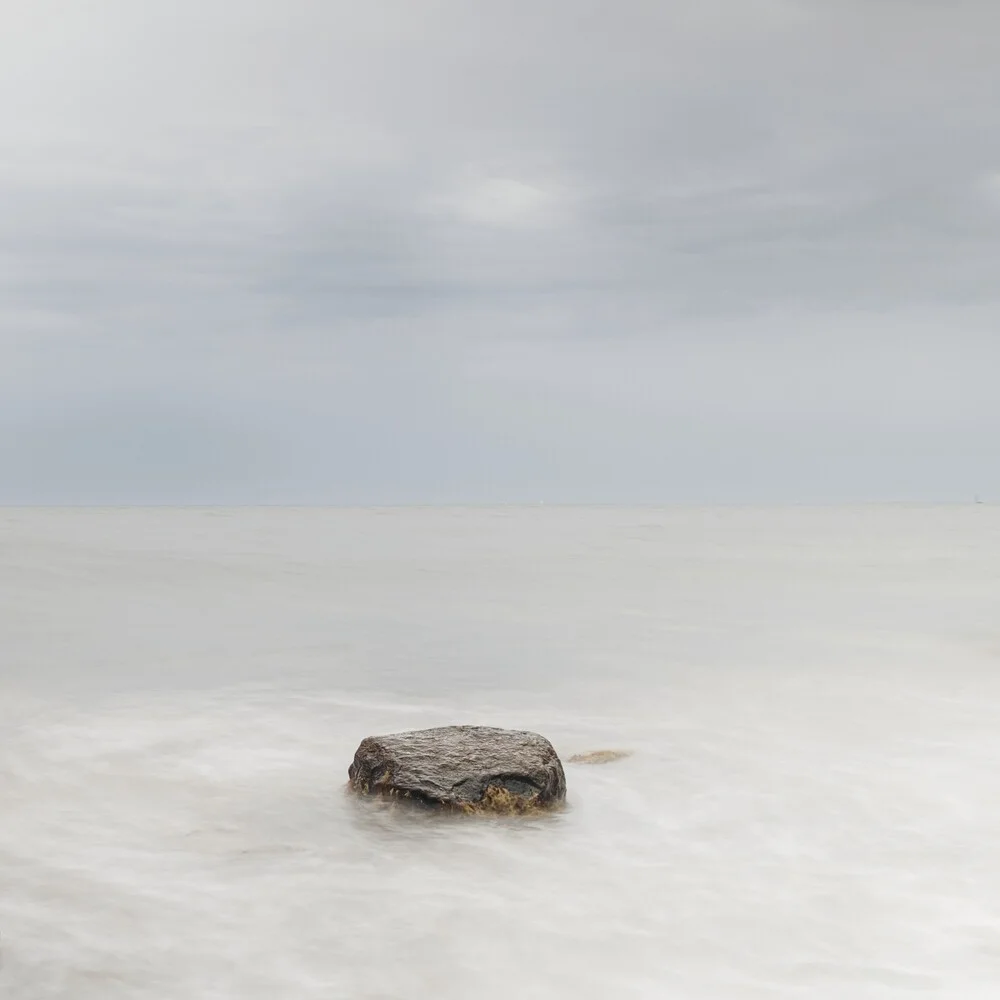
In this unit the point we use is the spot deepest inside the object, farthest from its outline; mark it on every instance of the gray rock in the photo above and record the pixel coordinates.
(467, 767)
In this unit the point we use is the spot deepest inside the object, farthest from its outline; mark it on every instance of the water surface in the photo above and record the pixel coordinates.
(812, 697)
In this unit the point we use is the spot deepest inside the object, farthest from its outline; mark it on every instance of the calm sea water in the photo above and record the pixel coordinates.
(812, 698)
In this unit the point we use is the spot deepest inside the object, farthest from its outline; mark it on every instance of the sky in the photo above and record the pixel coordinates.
(560, 251)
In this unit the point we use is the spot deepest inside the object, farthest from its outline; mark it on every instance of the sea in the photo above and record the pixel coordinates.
(809, 699)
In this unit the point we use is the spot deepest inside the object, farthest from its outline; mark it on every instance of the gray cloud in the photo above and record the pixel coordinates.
(396, 252)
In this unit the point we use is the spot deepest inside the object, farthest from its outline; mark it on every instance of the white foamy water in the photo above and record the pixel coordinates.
(811, 809)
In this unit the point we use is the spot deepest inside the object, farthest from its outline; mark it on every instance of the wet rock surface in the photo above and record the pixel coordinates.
(475, 768)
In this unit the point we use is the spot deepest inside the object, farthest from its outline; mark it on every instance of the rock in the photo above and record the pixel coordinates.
(600, 756)
(474, 768)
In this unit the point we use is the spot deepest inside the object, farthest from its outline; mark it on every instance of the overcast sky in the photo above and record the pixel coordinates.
(394, 251)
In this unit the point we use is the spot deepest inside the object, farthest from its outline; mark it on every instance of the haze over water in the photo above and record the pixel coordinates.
(810, 811)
